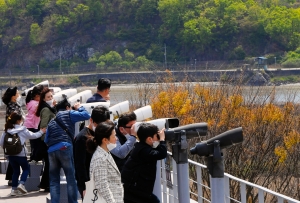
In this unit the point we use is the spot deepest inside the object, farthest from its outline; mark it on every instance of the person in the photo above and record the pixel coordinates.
(46, 112)
(139, 172)
(59, 139)
(103, 168)
(11, 99)
(31, 120)
(126, 139)
(82, 157)
(103, 90)
(12, 126)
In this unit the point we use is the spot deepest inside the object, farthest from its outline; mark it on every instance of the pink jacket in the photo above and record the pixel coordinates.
(31, 120)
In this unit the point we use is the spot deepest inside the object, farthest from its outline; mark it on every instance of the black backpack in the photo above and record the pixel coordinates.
(12, 144)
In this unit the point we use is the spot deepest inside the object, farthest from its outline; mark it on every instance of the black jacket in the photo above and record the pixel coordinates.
(82, 158)
(139, 172)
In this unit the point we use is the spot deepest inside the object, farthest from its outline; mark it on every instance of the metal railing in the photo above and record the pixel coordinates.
(169, 187)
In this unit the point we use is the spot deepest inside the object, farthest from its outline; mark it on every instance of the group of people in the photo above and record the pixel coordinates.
(119, 161)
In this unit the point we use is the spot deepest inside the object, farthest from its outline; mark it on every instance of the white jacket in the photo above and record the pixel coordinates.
(24, 134)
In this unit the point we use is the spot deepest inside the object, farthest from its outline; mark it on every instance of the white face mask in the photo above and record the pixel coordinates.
(111, 146)
(94, 128)
(127, 136)
(18, 99)
(50, 102)
(155, 144)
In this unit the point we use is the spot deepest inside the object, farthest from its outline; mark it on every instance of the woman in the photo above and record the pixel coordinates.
(31, 120)
(11, 98)
(103, 168)
(46, 112)
(12, 126)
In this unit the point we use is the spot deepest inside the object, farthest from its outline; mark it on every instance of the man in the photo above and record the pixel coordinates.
(103, 90)
(139, 172)
(82, 157)
(126, 139)
(59, 139)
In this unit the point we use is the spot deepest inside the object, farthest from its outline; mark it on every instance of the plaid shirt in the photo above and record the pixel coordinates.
(107, 177)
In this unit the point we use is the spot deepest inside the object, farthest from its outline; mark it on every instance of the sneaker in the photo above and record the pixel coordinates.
(16, 193)
(22, 188)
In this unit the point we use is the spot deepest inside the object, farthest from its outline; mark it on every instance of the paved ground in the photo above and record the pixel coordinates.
(31, 197)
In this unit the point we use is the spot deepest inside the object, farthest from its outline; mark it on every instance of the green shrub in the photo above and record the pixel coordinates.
(74, 80)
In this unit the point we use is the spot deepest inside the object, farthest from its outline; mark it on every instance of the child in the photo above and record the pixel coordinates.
(139, 172)
(13, 126)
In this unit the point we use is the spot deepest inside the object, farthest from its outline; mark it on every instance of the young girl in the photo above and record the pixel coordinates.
(31, 120)
(12, 126)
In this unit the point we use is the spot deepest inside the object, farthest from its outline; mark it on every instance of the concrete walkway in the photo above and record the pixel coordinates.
(31, 197)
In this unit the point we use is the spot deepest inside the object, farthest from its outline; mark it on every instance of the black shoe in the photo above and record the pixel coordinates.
(47, 190)
(9, 183)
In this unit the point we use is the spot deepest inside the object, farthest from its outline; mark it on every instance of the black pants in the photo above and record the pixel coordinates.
(154, 199)
(9, 172)
(45, 184)
(34, 144)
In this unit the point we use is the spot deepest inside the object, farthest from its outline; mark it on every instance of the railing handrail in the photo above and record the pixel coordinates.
(259, 187)
(246, 182)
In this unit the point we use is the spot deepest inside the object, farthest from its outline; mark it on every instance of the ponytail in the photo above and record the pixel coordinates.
(28, 97)
(12, 120)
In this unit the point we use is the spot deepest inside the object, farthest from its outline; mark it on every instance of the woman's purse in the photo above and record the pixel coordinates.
(92, 195)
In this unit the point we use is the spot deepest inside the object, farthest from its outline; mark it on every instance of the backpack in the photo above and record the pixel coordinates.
(12, 144)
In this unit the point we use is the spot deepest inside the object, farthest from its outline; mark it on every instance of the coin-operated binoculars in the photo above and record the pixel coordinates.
(211, 150)
(179, 136)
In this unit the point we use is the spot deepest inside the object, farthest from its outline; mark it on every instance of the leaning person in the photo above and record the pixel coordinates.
(59, 139)
(103, 169)
(103, 89)
(139, 172)
(12, 126)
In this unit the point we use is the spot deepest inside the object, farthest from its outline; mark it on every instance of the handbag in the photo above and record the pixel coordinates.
(92, 194)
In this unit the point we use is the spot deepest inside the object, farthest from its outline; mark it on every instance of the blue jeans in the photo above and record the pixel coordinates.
(62, 158)
(16, 162)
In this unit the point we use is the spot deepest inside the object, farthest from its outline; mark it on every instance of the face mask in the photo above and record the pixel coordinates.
(94, 128)
(155, 144)
(127, 136)
(111, 146)
(18, 99)
(50, 102)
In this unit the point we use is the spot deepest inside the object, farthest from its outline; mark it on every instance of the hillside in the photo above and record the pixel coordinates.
(56, 33)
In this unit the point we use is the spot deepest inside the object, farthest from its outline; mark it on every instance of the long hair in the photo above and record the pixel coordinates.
(41, 102)
(103, 130)
(9, 93)
(37, 90)
(11, 120)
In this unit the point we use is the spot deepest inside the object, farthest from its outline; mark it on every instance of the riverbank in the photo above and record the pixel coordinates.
(277, 76)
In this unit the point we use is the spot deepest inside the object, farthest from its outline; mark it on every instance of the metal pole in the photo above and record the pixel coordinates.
(195, 63)
(179, 153)
(183, 182)
(215, 165)
(275, 61)
(60, 62)
(38, 69)
(166, 56)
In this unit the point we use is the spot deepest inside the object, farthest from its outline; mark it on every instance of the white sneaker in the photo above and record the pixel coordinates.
(16, 193)
(22, 188)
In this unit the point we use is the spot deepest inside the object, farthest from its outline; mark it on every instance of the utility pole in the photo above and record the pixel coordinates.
(195, 63)
(60, 62)
(165, 56)
(275, 61)
(38, 69)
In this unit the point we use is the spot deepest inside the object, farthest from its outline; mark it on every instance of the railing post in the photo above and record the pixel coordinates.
(157, 184)
(227, 189)
(243, 192)
(199, 184)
